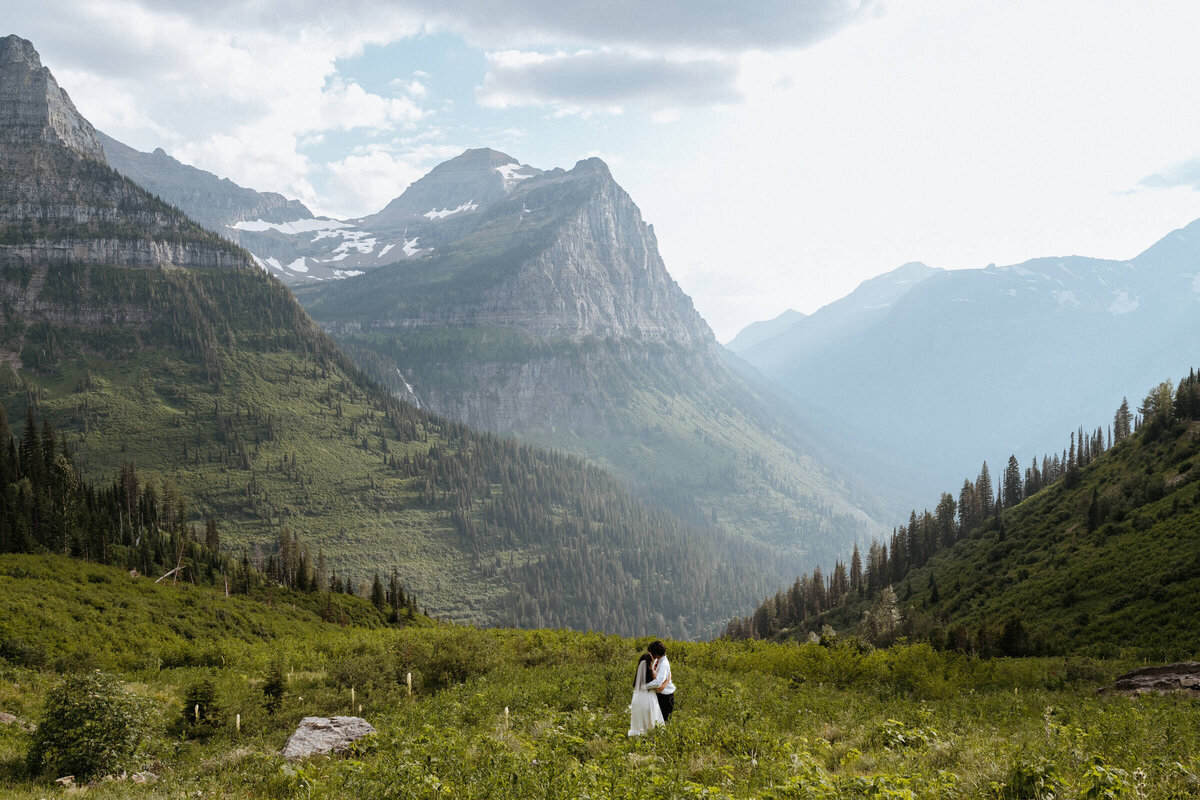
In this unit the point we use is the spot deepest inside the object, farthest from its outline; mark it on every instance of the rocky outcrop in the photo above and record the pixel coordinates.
(143, 253)
(1181, 677)
(600, 276)
(61, 203)
(35, 110)
(324, 735)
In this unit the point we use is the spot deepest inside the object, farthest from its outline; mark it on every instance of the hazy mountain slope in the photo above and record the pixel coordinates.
(835, 323)
(555, 319)
(146, 338)
(1097, 556)
(989, 362)
(757, 332)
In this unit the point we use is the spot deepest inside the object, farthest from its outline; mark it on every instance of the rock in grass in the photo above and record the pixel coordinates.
(1181, 677)
(321, 735)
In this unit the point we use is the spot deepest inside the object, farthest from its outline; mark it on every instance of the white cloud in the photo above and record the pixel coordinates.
(230, 90)
(606, 80)
(345, 107)
(365, 181)
(673, 25)
(1184, 173)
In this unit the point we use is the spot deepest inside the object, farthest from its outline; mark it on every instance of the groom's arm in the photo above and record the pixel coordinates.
(664, 674)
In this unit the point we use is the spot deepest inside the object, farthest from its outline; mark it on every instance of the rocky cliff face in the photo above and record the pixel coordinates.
(59, 200)
(564, 254)
(600, 276)
(553, 317)
(36, 113)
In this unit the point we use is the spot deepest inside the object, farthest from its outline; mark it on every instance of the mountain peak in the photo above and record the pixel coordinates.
(34, 110)
(593, 164)
(482, 156)
(15, 50)
(470, 181)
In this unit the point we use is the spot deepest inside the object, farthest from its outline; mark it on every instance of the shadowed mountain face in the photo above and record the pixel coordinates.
(142, 337)
(984, 363)
(552, 316)
(216, 203)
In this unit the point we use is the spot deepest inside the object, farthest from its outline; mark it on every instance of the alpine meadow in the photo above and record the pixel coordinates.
(346, 454)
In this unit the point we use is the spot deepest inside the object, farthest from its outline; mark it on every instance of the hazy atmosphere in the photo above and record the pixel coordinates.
(624, 400)
(783, 155)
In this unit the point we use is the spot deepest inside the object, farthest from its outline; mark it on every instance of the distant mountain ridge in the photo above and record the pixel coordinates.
(857, 311)
(999, 360)
(757, 332)
(215, 203)
(299, 248)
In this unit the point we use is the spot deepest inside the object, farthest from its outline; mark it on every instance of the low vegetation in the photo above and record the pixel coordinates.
(526, 714)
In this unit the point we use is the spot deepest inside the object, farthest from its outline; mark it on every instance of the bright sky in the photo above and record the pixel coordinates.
(784, 154)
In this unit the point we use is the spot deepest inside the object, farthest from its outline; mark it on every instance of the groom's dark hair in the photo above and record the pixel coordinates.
(656, 649)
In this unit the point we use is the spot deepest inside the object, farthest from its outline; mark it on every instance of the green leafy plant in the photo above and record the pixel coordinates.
(90, 726)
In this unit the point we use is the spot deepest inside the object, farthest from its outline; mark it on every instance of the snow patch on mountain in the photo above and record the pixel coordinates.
(442, 213)
(1123, 304)
(298, 265)
(1065, 299)
(410, 247)
(294, 227)
(385, 249)
(511, 176)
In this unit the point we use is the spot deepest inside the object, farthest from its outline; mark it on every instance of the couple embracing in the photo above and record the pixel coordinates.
(653, 691)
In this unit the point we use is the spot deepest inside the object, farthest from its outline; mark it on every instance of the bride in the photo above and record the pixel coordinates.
(644, 712)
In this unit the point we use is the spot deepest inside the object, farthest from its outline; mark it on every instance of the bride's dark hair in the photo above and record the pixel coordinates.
(649, 673)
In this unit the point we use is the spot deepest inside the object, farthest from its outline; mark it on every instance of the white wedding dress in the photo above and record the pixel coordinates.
(644, 712)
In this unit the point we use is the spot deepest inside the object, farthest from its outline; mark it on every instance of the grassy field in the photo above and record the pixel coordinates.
(753, 719)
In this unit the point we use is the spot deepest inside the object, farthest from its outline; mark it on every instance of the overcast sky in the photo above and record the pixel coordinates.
(785, 150)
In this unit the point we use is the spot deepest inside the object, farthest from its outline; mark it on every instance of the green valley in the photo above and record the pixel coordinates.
(539, 713)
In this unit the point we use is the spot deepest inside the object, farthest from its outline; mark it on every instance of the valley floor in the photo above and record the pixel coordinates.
(752, 720)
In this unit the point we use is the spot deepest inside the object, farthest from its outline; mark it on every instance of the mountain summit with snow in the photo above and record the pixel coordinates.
(289, 242)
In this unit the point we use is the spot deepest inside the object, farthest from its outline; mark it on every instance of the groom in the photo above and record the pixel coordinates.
(662, 683)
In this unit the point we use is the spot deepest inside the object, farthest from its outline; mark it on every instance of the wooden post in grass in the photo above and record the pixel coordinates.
(238, 723)
(409, 681)
(351, 696)
(506, 718)
(197, 710)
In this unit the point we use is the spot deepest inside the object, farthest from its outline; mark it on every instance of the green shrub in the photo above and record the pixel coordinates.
(449, 657)
(274, 689)
(22, 653)
(1033, 779)
(201, 714)
(90, 726)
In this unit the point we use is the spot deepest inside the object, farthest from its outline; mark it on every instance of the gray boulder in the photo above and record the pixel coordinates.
(322, 735)
(1181, 677)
